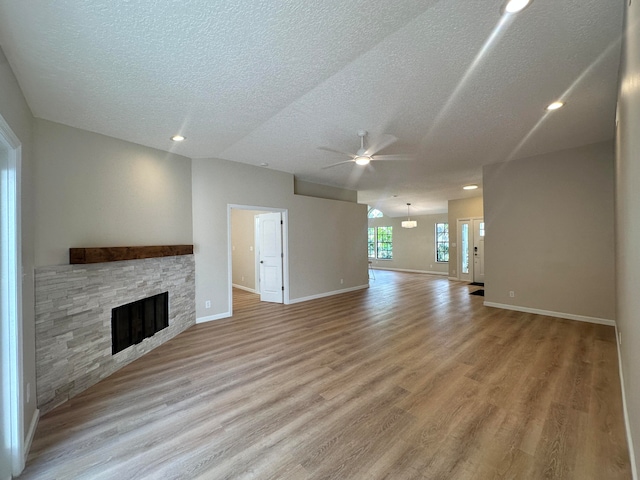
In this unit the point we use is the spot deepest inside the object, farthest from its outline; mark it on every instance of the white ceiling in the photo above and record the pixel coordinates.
(263, 81)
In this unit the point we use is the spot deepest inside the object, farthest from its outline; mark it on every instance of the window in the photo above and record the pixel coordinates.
(374, 213)
(442, 242)
(371, 242)
(380, 242)
(384, 244)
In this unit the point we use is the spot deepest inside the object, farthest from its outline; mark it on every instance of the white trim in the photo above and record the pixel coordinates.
(632, 458)
(12, 291)
(328, 294)
(242, 287)
(454, 279)
(213, 317)
(31, 432)
(429, 272)
(549, 313)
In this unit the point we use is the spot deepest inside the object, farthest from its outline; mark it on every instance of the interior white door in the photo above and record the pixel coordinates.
(270, 254)
(478, 250)
(465, 240)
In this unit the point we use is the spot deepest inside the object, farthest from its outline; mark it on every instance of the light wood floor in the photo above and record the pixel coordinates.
(411, 379)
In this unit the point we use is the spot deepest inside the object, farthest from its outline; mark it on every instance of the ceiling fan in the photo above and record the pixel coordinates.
(364, 156)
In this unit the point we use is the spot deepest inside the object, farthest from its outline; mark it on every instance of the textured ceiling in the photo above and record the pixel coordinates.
(459, 84)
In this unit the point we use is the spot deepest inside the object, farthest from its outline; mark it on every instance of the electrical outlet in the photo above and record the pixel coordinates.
(619, 338)
(242, 278)
(251, 248)
(512, 293)
(207, 304)
(341, 281)
(28, 392)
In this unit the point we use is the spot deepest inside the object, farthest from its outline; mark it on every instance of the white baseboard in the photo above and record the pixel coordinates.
(632, 458)
(213, 317)
(242, 287)
(327, 294)
(430, 272)
(31, 433)
(454, 279)
(549, 313)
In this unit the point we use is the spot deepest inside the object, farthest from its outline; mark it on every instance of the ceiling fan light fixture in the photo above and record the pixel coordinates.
(178, 138)
(362, 160)
(408, 223)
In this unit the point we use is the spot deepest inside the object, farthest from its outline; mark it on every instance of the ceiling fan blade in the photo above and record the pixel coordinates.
(339, 163)
(382, 142)
(391, 157)
(327, 149)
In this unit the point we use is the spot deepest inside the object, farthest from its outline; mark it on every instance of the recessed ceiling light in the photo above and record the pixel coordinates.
(555, 105)
(515, 6)
(264, 164)
(178, 138)
(470, 187)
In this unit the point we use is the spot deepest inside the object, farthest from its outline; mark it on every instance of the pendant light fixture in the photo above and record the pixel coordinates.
(408, 223)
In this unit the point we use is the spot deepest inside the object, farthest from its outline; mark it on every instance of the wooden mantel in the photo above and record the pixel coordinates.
(116, 254)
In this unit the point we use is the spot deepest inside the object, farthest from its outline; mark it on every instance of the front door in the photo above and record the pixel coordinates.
(465, 240)
(270, 257)
(478, 250)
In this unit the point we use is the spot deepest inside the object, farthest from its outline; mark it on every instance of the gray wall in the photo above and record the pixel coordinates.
(97, 191)
(413, 248)
(550, 232)
(628, 221)
(327, 238)
(16, 113)
(310, 189)
(460, 209)
(243, 251)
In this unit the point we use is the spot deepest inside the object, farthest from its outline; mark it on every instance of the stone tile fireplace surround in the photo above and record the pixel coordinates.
(73, 318)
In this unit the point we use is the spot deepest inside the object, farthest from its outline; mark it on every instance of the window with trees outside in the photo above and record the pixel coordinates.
(380, 242)
(371, 242)
(442, 242)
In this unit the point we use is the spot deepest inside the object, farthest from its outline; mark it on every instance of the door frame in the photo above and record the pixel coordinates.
(459, 244)
(285, 249)
(11, 316)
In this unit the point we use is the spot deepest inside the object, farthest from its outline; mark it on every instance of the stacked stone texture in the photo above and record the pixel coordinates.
(73, 319)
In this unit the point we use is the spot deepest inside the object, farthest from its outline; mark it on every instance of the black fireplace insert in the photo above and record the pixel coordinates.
(133, 322)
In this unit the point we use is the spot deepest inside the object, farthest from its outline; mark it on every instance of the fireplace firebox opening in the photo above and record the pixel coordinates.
(133, 322)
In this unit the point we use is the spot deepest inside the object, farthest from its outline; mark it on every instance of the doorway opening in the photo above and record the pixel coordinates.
(258, 252)
(11, 420)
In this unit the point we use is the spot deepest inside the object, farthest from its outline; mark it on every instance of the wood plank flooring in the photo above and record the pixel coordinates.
(411, 379)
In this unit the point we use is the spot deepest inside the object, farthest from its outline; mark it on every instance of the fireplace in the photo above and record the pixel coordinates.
(74, 305)
(135, 321)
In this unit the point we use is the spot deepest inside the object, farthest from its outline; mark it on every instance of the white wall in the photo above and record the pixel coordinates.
(550, 232)
(98, 191)
(327, 238)
(628, 221)
(17, 114)
(413, 248)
